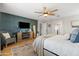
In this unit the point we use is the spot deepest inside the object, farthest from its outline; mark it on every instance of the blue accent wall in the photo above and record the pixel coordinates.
(9, 22)
(0, 22)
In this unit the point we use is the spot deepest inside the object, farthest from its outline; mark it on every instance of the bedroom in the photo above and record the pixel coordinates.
(47, 21)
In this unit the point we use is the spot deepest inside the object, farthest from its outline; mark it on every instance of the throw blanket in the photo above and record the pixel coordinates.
(38, 44)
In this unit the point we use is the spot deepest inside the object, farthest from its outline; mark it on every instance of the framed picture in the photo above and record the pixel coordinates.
(75, 23)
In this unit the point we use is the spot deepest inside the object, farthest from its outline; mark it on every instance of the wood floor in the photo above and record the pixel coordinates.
(7, 51)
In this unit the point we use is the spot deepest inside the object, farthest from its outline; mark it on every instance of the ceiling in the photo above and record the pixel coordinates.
(28, 9)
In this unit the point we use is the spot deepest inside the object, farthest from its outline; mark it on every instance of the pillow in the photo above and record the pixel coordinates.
(66, 36)
(74, 36)
(6, 35)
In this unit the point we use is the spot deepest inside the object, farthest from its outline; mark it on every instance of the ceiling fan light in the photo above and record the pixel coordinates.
(45, 15)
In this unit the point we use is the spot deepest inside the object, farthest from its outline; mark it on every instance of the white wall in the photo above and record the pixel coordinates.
(67, 27)
(65, 24)
(45, 29)
(60, 26)
(0, 6)
(48, 27)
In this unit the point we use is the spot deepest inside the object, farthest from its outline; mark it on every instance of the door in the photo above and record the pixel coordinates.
(44, 28)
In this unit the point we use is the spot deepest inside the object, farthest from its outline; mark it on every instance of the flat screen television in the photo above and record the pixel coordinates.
(24, 25)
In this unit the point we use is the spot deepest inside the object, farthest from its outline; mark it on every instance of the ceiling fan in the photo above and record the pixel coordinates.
(46, 12)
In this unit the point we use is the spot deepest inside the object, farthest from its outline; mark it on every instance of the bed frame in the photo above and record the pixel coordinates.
(49, 52)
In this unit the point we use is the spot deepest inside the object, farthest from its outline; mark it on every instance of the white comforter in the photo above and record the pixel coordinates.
(62, 46)
(57, 44)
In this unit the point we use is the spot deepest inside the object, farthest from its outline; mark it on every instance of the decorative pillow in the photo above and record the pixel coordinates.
(6, 35)
(75, 36)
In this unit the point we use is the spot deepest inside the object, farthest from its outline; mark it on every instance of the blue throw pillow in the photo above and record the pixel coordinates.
(75, 36)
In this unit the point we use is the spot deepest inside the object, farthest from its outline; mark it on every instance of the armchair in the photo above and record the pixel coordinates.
(11, 39)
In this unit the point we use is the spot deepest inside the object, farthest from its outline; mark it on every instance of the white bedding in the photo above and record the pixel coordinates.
(38, 44)
(61, 46)
(57, 44)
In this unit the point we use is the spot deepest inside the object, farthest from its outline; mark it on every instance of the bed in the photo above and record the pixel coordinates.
(55, 45)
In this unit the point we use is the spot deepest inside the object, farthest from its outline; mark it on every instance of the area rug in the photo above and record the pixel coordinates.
(26, 50)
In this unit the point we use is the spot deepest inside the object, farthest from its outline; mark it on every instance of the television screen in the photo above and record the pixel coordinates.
(24, 25)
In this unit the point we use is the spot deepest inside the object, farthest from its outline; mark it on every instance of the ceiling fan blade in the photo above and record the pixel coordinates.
(39, 12)
(44, 9)
(51, 14)
(54, 10)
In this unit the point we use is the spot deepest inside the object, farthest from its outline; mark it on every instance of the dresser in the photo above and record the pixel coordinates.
(19, 36)
(24, 35)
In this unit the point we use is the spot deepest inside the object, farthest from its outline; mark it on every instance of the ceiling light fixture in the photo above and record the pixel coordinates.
(45, 15)
(46, 12)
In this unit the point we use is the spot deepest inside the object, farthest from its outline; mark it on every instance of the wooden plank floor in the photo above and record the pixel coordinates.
(7, 51)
